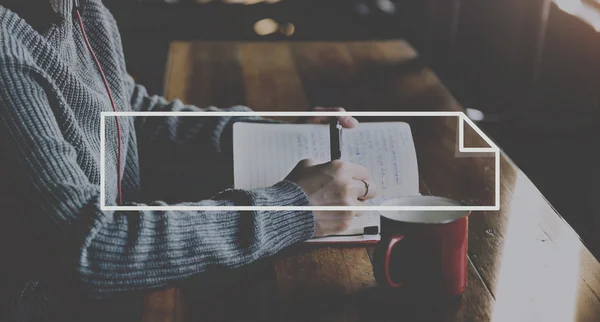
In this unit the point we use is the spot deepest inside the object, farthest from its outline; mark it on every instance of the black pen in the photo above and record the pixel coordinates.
(335, 138)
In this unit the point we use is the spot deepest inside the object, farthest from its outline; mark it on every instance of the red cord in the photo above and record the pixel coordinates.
(112, 102)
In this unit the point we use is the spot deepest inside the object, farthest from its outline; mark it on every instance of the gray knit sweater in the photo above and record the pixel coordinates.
(51, 96)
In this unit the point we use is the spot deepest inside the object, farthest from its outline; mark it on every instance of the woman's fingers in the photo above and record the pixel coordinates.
(348, 121)
(358, 172)
(345, 121)
(364, 189)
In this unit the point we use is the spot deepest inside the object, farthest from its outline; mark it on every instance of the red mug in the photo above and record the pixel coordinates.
(423, 249)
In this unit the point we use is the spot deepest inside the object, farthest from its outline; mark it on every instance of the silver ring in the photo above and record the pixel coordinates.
(366, 186)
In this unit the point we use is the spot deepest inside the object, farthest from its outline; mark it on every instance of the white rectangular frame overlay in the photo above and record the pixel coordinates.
(462, 118)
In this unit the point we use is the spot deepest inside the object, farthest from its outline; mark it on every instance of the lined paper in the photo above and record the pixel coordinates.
(265, 154)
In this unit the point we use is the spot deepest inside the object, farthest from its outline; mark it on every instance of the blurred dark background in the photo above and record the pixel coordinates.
(528, 70)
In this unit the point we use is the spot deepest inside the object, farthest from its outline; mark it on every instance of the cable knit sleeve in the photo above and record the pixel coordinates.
(113, 251)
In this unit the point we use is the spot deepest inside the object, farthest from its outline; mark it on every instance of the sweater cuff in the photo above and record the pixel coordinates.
(286, 227)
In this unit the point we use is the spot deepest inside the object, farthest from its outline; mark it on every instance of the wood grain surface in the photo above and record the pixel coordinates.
(525, 262)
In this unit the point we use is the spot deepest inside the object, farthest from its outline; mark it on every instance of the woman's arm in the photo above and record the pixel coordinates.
(113, 251)
(178, 152)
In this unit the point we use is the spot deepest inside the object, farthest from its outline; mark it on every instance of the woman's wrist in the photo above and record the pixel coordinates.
(288, 226)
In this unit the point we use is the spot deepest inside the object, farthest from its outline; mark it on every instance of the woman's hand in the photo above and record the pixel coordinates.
(345, 121)
(335, 183)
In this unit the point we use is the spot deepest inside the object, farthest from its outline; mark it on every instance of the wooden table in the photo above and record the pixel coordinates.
(525, 262)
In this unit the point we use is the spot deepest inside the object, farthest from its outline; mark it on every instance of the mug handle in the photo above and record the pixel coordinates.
(393, 241)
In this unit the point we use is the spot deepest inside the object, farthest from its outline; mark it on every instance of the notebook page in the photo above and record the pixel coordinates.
(264, 154)
(387, 150)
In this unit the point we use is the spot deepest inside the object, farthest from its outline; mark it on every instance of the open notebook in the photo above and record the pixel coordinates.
(264, 154)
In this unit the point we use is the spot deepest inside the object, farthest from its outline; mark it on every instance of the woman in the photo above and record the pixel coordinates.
(59, 244)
